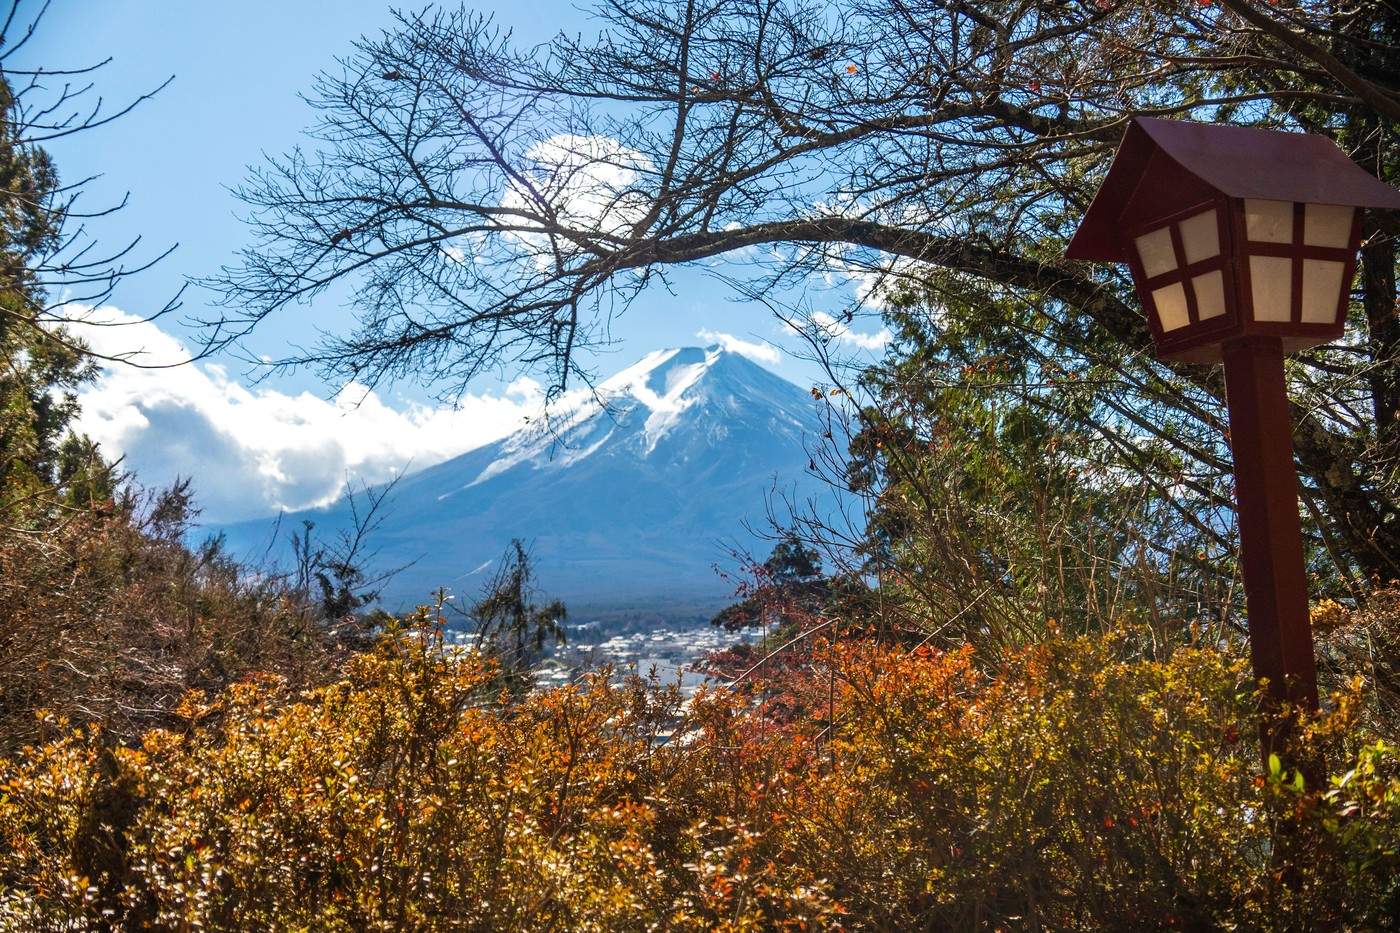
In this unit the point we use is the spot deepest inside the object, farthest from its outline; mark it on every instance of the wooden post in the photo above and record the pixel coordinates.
(1271, 536)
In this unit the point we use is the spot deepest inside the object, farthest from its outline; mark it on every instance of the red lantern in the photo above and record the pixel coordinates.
(1232, 232)
(1242, 246)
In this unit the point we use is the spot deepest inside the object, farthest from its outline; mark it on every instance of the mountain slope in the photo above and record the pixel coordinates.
(627, 499)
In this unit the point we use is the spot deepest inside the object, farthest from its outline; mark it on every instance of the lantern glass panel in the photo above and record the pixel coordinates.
(1322, 290)
(1200, 237)
(1210, 294)
(1327, 225)
(1268, 221)
(1156, 251)
(1271, 286)
(1170, 302)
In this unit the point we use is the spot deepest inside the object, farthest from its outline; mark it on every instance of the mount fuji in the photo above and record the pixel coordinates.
(627, 497)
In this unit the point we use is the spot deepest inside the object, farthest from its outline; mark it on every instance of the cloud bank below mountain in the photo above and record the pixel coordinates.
(256, 450)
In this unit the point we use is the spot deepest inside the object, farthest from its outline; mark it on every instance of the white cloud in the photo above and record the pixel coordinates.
(252, 450)
(759, 352)
(839, 331)
(588, 183)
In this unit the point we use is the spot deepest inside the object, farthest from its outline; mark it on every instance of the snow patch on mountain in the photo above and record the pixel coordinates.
(664, 385)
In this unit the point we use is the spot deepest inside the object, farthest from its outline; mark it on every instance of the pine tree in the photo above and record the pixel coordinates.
(511, 627)
(41, 367)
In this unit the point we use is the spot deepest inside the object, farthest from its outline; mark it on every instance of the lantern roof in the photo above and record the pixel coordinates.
(1235, 161)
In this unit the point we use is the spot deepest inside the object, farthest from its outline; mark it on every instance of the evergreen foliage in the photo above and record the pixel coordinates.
(510, 627)
(41, 367)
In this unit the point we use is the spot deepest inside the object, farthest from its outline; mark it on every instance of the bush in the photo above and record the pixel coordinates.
(1079, 789)
(108, 617)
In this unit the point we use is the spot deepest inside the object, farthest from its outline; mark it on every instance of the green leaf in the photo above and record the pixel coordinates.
(1275, 766)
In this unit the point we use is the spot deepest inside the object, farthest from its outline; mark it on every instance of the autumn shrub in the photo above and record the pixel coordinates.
(1080, 788)
(1363, 640)
(108, 615)
(407, 796)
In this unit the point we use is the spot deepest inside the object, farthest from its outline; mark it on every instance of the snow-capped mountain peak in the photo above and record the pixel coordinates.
(660, 377)
(625, 490)
(635, 410)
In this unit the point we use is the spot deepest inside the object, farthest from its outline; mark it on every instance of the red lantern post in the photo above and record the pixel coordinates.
(1242, 246)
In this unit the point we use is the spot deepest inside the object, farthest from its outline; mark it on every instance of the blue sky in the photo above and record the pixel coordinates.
(238, 69)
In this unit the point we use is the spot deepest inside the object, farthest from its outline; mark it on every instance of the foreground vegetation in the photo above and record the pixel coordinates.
(1080, 787)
